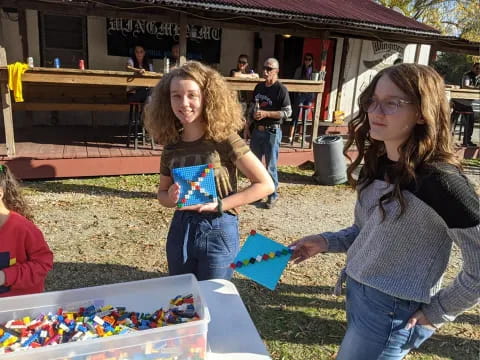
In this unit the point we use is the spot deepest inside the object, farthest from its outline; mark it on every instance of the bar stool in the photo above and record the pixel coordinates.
(459, 119)
(134, 122)
(302, 120)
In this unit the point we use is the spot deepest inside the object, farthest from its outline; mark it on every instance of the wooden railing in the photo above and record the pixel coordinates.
(48, 89)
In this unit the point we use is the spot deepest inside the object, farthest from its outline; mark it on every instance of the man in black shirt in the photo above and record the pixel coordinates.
(471, 79)
(273, 106)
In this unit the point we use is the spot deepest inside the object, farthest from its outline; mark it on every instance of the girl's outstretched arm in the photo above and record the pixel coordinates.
(261, 182)
(168, 192)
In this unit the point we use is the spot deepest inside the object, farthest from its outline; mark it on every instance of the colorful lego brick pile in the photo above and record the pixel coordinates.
(90, 322)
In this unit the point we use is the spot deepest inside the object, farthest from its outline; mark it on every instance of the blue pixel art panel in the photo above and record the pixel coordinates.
(197, 184)
(262, 260)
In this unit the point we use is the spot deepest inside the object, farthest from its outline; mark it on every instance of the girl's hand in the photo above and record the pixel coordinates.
(307, 247)
(419, 318)
(208, 207)
(174, 192)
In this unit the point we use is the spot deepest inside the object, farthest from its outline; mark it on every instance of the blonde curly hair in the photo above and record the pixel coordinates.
(222, 112)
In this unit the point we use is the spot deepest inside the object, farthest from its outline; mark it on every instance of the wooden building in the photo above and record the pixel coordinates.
(350, 43)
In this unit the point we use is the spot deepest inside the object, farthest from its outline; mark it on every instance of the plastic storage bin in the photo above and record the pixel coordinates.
(182, 341)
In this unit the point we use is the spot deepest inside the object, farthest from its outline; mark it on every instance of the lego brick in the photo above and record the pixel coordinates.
(197, 184)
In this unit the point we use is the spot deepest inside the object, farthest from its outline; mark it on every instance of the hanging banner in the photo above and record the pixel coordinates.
(203, 42)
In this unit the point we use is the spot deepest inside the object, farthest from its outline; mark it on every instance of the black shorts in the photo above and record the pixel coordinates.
(139, 94)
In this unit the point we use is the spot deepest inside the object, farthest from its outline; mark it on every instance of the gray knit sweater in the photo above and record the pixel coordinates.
(406, 256)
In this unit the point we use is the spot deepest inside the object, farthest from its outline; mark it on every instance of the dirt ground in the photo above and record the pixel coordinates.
(89, 225)
(108, 230)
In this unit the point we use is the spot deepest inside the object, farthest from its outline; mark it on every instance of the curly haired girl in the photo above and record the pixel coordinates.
(197, 117)
(413, 203)
(25, 258)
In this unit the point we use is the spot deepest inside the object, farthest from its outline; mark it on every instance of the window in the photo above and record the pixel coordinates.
(63, 37)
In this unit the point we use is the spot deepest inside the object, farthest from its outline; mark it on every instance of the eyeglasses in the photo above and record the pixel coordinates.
(388, 107)
(242, 62)
(308, 59)
(268, 68)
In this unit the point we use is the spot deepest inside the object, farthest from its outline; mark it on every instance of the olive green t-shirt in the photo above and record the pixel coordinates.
(222, 155)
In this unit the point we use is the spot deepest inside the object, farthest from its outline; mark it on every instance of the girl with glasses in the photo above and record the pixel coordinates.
(413, 203)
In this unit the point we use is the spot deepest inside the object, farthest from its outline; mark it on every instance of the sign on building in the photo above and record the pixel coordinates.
(203, 42)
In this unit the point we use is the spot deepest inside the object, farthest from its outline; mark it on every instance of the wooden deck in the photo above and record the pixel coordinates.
(63, 152)
(58, 152)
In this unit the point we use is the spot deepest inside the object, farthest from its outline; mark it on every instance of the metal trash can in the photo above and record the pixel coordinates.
(330, 166)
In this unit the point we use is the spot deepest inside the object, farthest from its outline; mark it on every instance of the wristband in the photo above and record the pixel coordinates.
(219, 207)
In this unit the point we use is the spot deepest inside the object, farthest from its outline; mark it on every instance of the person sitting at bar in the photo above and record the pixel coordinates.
(175, 56)
(303, 72)
(242, 70)
(139, 63)
(471, 79)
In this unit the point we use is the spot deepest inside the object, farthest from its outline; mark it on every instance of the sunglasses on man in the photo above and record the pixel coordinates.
(268, 68)
(308, 59)
(242, 62)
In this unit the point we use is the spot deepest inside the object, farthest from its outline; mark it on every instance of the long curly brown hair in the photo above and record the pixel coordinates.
(12, 195)
(222, 112)
(430, 142)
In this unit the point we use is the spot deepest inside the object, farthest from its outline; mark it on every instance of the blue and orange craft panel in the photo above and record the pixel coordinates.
(262, 260)
(197, 184)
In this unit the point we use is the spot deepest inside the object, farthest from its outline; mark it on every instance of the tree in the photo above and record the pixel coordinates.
(453, 17)
(451, 66)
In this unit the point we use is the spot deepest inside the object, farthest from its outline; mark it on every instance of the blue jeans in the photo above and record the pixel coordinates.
(300, 99)
(204, 244)
(376, 325)
(267, 143)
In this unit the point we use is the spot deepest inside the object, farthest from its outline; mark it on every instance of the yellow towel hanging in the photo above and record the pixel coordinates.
(15, 72)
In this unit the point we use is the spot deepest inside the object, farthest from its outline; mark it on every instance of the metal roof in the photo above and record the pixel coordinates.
(365, 13)
(344, 18)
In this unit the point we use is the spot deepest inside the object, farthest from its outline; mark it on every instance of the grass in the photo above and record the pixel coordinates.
(301, 319)
(471, 162)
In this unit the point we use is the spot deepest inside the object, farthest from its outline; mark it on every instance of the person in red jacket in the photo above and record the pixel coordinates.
(25, 258)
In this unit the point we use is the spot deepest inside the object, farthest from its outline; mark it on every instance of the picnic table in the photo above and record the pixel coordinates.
(467, 94)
